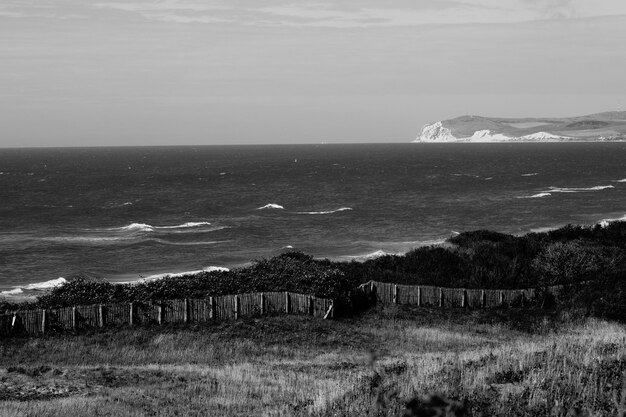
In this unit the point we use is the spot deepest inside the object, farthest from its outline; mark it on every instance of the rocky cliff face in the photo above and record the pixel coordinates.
(436, 133)
(610, 126)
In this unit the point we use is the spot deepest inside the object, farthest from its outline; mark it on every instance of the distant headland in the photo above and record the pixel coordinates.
(600, 127)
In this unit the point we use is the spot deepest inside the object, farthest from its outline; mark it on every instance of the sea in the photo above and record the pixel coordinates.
(134, 213)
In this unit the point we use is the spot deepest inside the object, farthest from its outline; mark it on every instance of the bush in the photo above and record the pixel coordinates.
(294, 272)
(591, 256)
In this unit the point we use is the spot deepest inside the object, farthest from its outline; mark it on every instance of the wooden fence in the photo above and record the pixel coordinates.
(426, 295)
(226, 307)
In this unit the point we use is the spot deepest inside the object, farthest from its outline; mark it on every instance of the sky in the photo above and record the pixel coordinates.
(195, 72)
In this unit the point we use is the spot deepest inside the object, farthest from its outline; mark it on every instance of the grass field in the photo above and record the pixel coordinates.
(499, 363)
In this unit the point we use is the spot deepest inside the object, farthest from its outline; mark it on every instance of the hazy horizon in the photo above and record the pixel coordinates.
(185, 72)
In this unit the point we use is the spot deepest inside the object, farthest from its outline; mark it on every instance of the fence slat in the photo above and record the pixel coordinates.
(424, 295)
(226, 307)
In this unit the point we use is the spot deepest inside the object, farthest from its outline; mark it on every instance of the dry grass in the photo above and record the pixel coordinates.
(368, 365)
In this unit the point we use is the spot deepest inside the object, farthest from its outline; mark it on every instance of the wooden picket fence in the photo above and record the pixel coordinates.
(226, 307)
(431, 296)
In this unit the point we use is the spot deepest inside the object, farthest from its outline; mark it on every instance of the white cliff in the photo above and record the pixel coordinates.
(436, 133)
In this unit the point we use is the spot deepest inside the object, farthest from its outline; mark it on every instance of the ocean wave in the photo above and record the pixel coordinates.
(365, 257)
(271, 206)
(543, 229)
(184, 225)
(36, 286)
(143, 227)
(45, 285)
(578, 189)
(465, 175)
(622, 180)
(606, 222)
(155, 277)
(543, 194)
(326, 212)
(126, 240)
(532, 174)
(118, 205)
(169, 242)
(86, 239)
(14, 291)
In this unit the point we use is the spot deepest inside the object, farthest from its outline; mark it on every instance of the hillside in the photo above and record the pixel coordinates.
(607, 126)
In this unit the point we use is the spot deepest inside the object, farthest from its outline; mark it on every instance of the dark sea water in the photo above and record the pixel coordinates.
(127, 213)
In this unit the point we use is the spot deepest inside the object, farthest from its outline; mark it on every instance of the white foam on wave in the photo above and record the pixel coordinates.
(36, 286)
(578, 189)
(46, 284)
(606, 222)
(184, 225)
(539, 195)
(14, 291)
(544, 229)
(143, 227)
(271, 206)
(622, 180)
(155, 277)
(365, 257)
(532, 174)
(326, 212)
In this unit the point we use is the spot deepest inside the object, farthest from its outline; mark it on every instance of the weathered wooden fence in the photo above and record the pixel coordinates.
(226, 307)
(426, 295)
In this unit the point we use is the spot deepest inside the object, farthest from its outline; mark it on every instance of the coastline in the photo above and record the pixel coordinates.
(30, 292)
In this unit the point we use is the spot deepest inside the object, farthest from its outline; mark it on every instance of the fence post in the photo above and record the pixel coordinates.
(211, 308)
(100, 315)
(262, 303)
(483, 299)
(371, 287)
(186, 311)
(73, 317)
(159, 313)
(374, 294)
(43, 321)
(287, 302)
(236, 307)
(440, 297)
(501, 298)
(329, 312)
(523, 297)
(419, 296)
(395, 294)
(14, 320)
(130, 313)
(311, 306)
(464, 299)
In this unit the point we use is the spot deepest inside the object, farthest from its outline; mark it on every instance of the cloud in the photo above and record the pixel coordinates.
(320, 13)
(45, 9)
(365, 13)
(555, 9)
